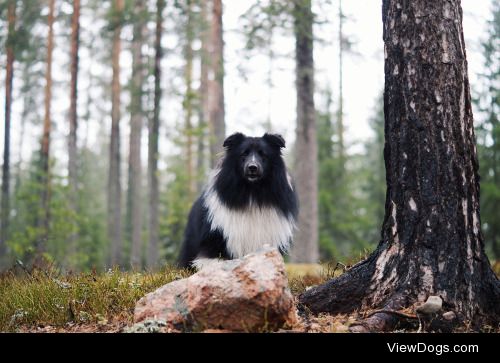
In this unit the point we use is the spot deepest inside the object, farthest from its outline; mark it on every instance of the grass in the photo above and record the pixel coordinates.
(42, 298)
(302, 276)
(496, 267)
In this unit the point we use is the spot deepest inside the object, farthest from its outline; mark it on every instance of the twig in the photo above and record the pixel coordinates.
(21, 264)
(392, 312)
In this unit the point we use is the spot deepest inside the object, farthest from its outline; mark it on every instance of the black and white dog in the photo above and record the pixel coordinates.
(249, 201)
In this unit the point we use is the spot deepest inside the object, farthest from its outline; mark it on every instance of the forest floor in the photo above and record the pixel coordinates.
(44, 301)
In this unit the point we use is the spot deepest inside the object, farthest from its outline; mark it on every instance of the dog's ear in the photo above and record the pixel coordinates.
(233, 140)
(275, 140)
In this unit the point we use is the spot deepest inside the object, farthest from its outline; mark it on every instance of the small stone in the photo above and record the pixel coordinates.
(248, 294)
(449, 315)
(431, 306)
(147, 326)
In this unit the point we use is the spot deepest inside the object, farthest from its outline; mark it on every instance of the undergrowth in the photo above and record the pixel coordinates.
(43, 298)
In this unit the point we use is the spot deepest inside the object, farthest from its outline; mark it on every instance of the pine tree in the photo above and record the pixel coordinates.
(306, 238)
(5, 198)
(45, 177)
(114, 182)
(134, 205)
(154, 127)
(431, 236)
(189, 97)
(216, 83)
(73, 121)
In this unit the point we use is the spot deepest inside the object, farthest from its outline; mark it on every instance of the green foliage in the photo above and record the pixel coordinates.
(88, 223)
(25, 228)
(262, 18)
(44, 298)
(92, 240)
(374, 173)
(174, 202)
(348, 219)
(488, 135)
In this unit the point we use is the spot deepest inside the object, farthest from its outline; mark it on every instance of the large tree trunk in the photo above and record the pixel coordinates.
(217, 127)
(431, 237)
(114, 183)
(305, 247)
(73, 122)
(154, 129)
(44, 220)
(5, 209)
(134, 203)
(188, 100)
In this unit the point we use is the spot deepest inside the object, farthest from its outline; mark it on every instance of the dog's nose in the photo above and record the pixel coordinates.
(253, 168)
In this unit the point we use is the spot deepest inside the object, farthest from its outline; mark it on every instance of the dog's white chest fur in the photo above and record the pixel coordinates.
(248, 230)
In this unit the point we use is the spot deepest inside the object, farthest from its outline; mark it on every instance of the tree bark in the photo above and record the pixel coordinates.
(136, 120)
(217, 127)
(9, 77)
(114, 182)
(73, 123)
(305, 248)
(431, 241)
(154, 129)
(44, 220)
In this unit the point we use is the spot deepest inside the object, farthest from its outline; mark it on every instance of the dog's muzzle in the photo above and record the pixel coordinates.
(253, 171)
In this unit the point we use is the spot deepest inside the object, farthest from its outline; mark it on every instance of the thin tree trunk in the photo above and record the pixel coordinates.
(305, 248)
(431, 237)
(89, 99)
(269, 80)
(203, 96)
(188, 101)
(114, 182)
(154, 130)
(136, 120)
(73, 124)
(27, 107)
(340, 115)
(44, 220)
(5, 209)
(22, 136)
(216, 84)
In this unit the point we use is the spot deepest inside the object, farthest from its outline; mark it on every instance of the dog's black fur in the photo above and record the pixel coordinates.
(251, 173)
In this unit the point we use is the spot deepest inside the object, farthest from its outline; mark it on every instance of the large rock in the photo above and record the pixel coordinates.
(248, 294)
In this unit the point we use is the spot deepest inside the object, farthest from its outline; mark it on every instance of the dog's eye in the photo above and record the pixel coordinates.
(244, 154)
(262, 154)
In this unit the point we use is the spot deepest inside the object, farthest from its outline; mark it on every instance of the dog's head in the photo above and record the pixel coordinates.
(253, 158)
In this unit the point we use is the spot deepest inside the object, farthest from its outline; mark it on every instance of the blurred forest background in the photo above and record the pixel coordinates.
(115, 112)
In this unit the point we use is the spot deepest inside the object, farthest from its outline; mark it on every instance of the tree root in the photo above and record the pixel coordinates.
(354, 290)
(342, 294)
